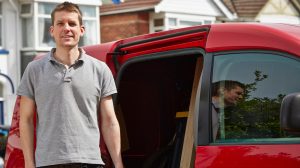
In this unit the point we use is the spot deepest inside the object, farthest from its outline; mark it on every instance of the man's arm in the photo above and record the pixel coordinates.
(111, 130)
(27, 108)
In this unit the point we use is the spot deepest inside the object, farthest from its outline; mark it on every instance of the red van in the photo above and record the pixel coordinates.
(164, 101)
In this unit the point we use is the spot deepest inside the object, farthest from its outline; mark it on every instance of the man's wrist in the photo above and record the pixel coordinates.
(119, 165)
(29, 165)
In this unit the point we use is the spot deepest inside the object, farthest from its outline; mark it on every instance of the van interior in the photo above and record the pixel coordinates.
(151, 93)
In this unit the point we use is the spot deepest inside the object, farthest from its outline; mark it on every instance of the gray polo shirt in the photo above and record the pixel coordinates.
(67, 103)
(215, 119)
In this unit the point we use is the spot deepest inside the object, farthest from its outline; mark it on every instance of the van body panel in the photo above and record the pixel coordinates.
(248, 156)
(103, 52)
(241, 36)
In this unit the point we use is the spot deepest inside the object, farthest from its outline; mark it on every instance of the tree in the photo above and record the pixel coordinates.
(254, 117)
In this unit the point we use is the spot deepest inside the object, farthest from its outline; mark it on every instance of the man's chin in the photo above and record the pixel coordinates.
(69, 45)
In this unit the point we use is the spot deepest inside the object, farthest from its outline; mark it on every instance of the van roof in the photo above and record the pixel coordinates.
(238, 36)
(212, 38)
(241, 36)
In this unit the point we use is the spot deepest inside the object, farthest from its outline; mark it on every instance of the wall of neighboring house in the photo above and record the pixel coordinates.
(279, 11)
(192, 7)
(178, 13)
(165, 15)
(120, 26)
(10, 49)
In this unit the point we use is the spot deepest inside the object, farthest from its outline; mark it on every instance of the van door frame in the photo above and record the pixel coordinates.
(163, 55)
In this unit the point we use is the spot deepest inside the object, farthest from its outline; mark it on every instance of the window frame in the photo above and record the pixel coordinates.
(1, 26)
(38, 16)
(204, 105)
(29, 15)
(179, 18)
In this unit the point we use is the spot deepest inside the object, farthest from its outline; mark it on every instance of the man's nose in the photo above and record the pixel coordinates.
(66, 27)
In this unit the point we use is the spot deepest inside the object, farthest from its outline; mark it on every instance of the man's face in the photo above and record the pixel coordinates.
(66, 29)
(232, 96)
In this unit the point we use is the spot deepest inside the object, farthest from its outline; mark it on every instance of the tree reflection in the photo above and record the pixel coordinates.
(254, 117)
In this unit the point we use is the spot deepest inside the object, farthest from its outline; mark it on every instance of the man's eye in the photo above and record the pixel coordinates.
(73, 24)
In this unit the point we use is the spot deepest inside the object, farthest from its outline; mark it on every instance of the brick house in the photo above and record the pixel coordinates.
(135, 17)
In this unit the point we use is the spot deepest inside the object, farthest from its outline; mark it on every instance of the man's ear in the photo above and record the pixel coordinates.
(82, 29)
(51, 30)
(221, 90)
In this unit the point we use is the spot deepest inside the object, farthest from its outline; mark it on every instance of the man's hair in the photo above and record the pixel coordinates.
(69, 7)
(227, 84)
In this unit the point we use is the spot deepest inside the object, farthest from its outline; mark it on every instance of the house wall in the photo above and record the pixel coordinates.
(279, 19)
(119, 26)
(192, 7)
(11, 43)
(279, 11)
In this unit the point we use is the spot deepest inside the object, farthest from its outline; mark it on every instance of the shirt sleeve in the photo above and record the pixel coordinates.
(108, 82)
(26, 87)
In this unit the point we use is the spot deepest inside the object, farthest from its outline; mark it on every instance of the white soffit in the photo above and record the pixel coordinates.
(225, 10)
(196, 7)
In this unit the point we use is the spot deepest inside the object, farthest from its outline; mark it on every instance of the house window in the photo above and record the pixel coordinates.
(158, 22)
(207, 22)
(107, 2)
(172, 21)
(1, 103)
(44, 22)
(0, 23)
(25, 8)
(27, 35)
(169, 21)
(90, 20)
(27, 26)
(185, 23)
(1, 90)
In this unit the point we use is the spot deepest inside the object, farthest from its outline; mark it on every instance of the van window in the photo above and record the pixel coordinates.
(246, 96)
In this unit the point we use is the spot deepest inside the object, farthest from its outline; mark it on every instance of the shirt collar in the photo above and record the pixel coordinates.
(216, 104)
(82, 56)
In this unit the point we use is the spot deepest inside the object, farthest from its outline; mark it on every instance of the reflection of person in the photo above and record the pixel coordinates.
(225, 93)
(68, 88)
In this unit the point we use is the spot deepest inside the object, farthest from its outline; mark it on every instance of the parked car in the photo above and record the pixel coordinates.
(164, 101)
(1, 162)
(3, 139)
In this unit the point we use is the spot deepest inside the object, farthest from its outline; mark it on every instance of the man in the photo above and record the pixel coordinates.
(68, 89)
(225, 93)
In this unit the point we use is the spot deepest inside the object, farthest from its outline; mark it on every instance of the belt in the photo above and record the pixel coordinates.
(74, 165)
